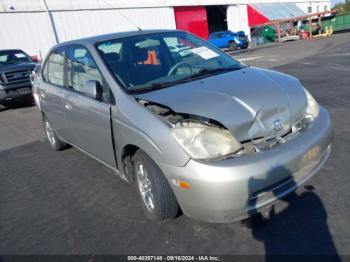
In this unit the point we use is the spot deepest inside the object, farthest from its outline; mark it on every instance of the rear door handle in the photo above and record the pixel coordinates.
(67, 106)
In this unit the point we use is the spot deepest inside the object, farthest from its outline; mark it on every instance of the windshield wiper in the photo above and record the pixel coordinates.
(208, 72)
(153, 87)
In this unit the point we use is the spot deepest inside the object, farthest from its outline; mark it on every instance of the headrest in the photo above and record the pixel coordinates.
(111, 57)
(12, 58)
(139, 54)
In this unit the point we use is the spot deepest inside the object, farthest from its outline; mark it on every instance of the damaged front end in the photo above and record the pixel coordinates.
(175, 119)
(201, 138)
(262, 143)
(207, 139)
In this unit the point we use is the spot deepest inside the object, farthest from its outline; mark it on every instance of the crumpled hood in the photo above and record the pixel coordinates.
(247, 102)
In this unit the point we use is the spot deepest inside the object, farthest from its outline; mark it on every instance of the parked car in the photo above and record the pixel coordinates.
(228, 39)
(202, 132)
(15, 68)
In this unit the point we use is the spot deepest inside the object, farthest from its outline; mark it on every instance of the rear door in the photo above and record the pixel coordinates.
(52, 91)
(88, 119)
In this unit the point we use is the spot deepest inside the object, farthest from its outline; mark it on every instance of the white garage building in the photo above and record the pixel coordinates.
(36, 25)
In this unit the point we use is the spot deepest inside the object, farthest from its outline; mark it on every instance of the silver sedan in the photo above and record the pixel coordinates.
(192, 129)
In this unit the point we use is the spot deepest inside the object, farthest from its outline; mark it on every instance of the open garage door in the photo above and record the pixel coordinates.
(192, 19)
(217, 18)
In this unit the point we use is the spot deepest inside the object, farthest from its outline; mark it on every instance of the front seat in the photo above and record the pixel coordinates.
(141, 72)
(117, 67)
(12, 59)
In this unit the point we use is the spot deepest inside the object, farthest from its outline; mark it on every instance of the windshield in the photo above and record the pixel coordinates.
(12, 57)
(159, 60)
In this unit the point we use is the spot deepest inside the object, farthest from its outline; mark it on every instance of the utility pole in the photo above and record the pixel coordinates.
(52, 22)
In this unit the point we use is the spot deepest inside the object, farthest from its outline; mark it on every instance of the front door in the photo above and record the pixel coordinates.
(52, 94)
(87, 118)
(218, 40)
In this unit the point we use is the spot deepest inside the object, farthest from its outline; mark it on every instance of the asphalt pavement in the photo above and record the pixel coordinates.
(67, 203)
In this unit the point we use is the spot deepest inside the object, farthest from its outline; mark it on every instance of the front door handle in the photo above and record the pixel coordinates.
(67, 106)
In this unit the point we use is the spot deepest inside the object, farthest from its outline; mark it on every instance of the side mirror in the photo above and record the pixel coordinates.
(93, 89)
(35, 59)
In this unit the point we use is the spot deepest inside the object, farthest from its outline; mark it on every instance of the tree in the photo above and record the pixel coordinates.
(342, 7)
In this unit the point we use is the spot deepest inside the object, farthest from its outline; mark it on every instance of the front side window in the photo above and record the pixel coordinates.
(54, 68)
(159, 60)
(81, 68)
(217, 36)
(12, 57)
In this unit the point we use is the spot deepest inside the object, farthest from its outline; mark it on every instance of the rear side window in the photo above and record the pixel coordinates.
(54, 68)
(217, 36)
(81, 68)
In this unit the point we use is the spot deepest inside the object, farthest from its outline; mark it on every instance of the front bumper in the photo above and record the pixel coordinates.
(11, 92)
(233, 189)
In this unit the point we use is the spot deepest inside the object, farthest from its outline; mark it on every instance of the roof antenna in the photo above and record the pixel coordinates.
(125, 17)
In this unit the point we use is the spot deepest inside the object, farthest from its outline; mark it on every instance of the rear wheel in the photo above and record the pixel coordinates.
(158, 200)
(52, 137)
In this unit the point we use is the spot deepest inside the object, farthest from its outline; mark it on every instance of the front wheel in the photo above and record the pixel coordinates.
(158, 200)
(51, 135)
(233, 46)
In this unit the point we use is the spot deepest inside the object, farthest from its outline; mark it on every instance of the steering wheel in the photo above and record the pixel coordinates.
(179, 65)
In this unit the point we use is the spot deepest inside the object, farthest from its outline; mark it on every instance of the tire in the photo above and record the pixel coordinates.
(232, 46)
(55, 142)
(158, 200)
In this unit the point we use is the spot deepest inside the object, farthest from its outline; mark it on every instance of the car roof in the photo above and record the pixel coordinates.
(11, 50)
(105, 37)
(221, 32)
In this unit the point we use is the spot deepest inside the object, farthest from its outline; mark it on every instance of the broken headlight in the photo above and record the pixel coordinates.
(205, 142)
(313, 108)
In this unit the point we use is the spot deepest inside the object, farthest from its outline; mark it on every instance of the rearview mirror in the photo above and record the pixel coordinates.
(93, 89)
